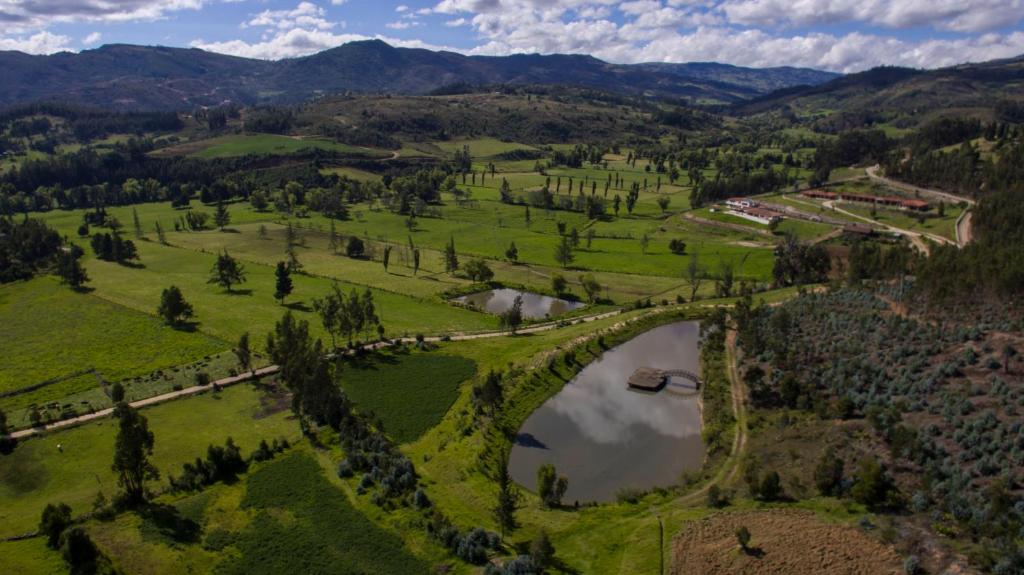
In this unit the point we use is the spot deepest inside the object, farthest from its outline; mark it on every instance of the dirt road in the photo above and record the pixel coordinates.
(873, 173)
(272, 369)
(916, 238)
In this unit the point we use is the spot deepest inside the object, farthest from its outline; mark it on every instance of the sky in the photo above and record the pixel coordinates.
(837, 35)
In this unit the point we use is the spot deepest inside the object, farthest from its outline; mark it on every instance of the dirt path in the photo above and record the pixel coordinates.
(916, 238)
(726, 225)
(188, 391)
(731, 467)
(963, 228)
(963, 223)
(873, 173)
(272, 369)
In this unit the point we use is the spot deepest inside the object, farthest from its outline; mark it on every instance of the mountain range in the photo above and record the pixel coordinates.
(122, 76)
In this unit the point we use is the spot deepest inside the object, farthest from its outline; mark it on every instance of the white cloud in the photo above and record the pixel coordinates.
(957, 15)
(401, 8)
(456, 22)
(92, 39)
(305, 15)
(401, 25)
(38, 43)
(19, 16)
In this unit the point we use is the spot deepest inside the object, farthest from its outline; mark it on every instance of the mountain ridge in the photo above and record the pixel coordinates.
(161, 77)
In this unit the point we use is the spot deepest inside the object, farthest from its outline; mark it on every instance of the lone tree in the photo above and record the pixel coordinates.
(226, 272)
(512, 253)
(79, 552)
(663, 202)
(221, 217)
(479, 271)
(551, 486)
(559, 283)
(55, 519)
(244, 353)
(695, 274)
(173, 307)
(283, 282)
(508, 500)
(7, 443)
(355, 248)
(70, 269)
(542, 551)
(828, 475)
(563, 252)
(591, 286)
(512, 318)
(415, 261)
(743, 538)
(386, 259)
(451, 259)
(132, 448)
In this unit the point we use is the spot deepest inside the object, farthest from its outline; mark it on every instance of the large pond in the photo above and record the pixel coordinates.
(535, 305)
(604, 436)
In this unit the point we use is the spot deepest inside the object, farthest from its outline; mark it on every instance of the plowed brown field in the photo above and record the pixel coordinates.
(783, 542)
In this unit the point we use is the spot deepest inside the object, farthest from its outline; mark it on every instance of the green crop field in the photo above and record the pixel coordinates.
(51, 331)
(482, 147)
(322, 533)
(410, 393)
(283, 516)
(251, 306)
(73, 465)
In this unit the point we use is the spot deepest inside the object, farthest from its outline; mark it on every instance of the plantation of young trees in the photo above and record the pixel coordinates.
(943, 398)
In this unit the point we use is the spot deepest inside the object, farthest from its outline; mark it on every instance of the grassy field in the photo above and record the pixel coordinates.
(263, 144)
(251, 307)
(30, 557)
(285, 516)
(944, 226)
(481, 147)
(38, 472)
(51, 331)
(409, 392)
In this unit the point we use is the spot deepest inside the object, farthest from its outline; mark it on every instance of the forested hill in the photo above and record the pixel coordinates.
(903, 97)
(153, 78)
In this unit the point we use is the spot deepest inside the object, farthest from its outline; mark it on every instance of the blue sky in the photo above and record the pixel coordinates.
(839, 35)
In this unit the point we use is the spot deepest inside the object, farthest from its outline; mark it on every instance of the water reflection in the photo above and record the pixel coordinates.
(603, 436)
(535, 306)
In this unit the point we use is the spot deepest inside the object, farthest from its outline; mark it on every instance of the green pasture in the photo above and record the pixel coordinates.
(38, 472)
(51, 331)
(929, 222)
(480, 147)
(284, 515)
(265, 144)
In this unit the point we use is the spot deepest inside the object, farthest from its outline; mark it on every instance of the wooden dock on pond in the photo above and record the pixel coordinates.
(653, 380)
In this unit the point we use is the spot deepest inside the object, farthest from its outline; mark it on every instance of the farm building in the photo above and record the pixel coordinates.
(892, 201)
(859, 229)
(819, 194)
(740, 203)
(759, 215)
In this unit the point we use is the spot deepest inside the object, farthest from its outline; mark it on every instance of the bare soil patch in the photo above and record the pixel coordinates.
(783, 541)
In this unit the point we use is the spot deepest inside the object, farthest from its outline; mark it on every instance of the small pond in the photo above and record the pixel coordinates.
(604, 436)
(535, 305)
